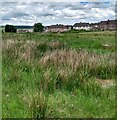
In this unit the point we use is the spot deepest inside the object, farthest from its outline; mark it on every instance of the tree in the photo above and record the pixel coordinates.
(10, 28)
(38, 27)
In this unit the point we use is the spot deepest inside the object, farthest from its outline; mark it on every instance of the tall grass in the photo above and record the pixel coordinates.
(50, 78)
(36, 103)
(61, 66)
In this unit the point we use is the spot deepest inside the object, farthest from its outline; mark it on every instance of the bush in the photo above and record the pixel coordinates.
(10, 28)
(38, 27)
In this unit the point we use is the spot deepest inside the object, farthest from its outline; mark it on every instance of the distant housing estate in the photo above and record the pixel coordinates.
(103, 25)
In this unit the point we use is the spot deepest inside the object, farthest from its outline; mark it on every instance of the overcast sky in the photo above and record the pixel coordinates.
(18, 13)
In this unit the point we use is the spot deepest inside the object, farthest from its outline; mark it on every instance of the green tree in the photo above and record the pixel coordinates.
(38, 27)
(10, 28)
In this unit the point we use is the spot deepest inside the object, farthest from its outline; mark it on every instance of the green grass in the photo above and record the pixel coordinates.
(55, 75)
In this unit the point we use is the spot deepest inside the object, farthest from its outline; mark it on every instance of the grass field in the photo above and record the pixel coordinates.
(58, 75)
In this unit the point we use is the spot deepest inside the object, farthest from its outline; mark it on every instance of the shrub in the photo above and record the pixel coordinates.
(10, 28)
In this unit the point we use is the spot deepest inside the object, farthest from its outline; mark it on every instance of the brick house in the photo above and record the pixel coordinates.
(112, 24)
(108, 25)
(57, 28)
(103, 25)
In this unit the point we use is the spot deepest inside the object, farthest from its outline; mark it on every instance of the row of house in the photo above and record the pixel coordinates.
(103, 25)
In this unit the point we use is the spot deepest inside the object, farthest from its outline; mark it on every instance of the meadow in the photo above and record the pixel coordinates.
(58, 75)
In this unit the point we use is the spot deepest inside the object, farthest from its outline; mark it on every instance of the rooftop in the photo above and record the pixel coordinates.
(81, 24)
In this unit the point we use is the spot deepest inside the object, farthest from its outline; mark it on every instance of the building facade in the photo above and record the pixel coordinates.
(108, 25)
(103, 25)
(24, 29)
(57, 28)
(81, 26)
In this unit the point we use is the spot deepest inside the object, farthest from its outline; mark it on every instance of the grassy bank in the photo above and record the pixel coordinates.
(58, 75)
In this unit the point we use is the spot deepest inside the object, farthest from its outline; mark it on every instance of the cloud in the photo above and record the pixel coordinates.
(28, 13)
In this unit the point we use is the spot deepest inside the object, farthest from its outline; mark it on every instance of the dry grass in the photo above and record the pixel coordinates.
(28, 50)
(55, 45)
(105, 83)
(74, 68)
(72, 58)
(68, 62)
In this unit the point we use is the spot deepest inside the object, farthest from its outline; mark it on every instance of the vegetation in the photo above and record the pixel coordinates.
(58, 75)
(38, 27)
(10, 28)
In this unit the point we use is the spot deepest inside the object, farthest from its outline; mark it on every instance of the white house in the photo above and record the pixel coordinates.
(81, 26)
(22, 29)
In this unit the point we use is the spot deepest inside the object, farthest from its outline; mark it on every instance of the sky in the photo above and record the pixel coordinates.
(48, 13)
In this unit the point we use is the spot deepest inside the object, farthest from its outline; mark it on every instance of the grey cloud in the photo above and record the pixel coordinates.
(47, 14)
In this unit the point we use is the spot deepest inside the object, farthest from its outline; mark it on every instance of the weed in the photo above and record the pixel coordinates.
(36, 103)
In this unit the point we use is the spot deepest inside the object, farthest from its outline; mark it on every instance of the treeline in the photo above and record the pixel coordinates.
(38, 27)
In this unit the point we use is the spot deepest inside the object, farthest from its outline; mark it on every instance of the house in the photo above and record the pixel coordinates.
(112, 25)
(103, 25)
(81, 26)
(69, 27)
(57, 28)
(24, 29)
(108, 25)
(94, 26)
